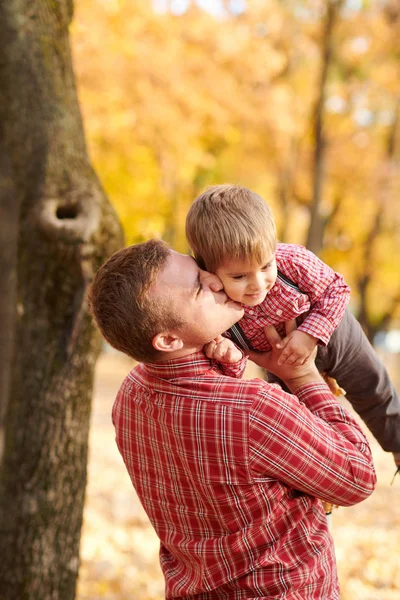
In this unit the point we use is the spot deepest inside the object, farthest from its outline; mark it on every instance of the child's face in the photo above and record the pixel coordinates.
(247, 282)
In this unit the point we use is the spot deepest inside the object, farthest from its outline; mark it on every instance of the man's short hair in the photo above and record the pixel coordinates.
(121, 305)
(229, 221)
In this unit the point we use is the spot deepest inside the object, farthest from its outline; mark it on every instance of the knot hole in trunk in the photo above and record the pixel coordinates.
(67, 212)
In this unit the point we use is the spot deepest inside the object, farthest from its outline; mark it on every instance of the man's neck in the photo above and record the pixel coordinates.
(179, 353)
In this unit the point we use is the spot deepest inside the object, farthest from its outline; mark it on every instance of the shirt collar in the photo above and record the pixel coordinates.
(192, 365)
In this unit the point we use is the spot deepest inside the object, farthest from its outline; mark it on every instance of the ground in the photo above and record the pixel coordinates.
(119, 549)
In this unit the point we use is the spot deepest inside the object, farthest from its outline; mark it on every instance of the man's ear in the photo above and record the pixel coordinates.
(167, 342)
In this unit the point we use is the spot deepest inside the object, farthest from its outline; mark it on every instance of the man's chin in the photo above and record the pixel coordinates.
(238, 312)
(237, 305)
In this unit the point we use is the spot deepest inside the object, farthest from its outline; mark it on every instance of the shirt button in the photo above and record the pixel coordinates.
(279, 312)
(251, 312)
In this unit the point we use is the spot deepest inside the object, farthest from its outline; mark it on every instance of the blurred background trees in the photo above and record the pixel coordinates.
(297, 99)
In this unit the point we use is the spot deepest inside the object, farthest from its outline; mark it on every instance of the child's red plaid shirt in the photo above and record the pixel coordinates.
(229, 472)
(324, 297)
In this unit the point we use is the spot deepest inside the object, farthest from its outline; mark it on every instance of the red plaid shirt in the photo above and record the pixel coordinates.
(228, 471)
(325, 297)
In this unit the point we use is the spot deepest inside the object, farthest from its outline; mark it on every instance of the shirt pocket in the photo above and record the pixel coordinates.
(289, 303)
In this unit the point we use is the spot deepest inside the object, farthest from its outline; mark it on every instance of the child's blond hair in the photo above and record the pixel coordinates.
(229, 221)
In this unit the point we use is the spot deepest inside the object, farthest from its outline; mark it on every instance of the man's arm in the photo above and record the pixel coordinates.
(307, 439)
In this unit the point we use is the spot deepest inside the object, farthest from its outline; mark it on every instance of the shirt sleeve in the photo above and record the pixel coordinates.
(327, 291)
(235, 370)
(311, 443)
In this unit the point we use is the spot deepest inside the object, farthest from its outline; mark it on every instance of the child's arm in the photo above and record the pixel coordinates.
(231, 360)
(327, 291)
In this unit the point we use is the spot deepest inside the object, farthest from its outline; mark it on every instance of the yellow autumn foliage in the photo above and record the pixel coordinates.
(173, 103)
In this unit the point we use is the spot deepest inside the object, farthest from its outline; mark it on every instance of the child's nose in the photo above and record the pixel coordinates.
(259, 281)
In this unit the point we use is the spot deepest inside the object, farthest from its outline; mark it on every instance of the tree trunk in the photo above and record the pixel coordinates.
(390, 165)
(9, 210)
(285, 180)
(66, 228)
(318, 221)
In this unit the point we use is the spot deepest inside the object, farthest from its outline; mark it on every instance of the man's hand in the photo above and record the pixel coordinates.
(223, 350)
(297, 347)
(294, 375)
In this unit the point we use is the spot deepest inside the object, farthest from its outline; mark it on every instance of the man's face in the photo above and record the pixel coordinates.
(248, 282)
(197, 298)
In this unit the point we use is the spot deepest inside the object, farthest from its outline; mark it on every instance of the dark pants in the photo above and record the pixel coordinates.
(350, 359)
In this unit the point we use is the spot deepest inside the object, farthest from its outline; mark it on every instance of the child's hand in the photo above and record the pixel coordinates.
(293, 375)
(223, 350)
(296, 347)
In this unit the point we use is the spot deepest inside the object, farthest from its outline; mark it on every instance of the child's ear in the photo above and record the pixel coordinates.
(167, 342)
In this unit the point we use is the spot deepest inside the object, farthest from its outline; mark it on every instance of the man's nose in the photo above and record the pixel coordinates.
(212, 281)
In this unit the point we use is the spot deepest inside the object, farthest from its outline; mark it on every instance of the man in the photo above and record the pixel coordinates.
(229, 471)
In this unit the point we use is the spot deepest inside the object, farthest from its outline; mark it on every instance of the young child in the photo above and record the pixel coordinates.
(232, 233)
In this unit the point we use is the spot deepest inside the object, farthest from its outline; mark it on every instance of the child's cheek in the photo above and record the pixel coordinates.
(234, 292)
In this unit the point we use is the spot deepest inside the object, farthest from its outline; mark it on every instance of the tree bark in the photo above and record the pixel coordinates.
(389, 167)
(286, 194)
(9, 211)
(318, 221)
(61, 228)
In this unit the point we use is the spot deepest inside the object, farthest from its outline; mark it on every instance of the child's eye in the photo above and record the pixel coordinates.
(237, 277)
(268, 266)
